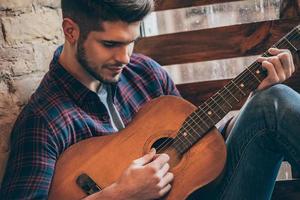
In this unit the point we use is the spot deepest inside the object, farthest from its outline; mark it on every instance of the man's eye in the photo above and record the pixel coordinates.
(109, 44)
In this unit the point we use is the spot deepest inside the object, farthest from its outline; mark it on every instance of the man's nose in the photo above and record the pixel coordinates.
(122, 54)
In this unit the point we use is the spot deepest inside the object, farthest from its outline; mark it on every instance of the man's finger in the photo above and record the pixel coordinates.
(275, 51)
(147, 158)
(167, 179)
(165, 190)
(287, 63)
(280, 71)
(162, 172)
(159, 162)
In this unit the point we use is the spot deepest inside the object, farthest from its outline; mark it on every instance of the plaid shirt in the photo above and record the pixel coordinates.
(63, 112)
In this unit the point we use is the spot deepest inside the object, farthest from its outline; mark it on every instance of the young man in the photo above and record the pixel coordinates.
(95, 86)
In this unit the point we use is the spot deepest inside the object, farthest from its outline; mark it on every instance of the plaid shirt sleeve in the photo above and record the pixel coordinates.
(166, 82)
(32, 160)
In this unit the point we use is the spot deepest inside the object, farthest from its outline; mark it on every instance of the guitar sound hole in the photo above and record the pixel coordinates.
(162, 144)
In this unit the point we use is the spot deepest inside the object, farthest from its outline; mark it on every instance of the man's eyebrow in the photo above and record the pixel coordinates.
(121, 42)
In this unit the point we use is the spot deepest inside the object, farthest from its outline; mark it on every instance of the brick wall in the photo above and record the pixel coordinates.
(30, 30)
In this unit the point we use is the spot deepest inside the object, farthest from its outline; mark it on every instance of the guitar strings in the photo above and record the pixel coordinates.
(237, 79)
(215, 101)
(249, 67)
(213, 105)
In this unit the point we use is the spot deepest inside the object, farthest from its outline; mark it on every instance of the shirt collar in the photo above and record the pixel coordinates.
(70, 84)
(74, 87)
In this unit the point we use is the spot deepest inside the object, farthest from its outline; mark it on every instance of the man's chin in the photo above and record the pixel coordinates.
(109, 79)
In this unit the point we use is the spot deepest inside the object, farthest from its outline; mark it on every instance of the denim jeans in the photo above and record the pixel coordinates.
(266, 131)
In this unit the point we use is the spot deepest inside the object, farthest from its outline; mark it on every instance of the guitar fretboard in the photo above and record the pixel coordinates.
(216, 107)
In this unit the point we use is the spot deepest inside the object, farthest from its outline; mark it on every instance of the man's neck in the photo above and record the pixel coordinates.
(69, 62)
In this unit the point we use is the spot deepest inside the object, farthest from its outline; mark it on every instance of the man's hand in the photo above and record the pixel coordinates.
(146, 178)
(280, 67)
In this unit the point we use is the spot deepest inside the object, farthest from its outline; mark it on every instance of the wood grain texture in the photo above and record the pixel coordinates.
(173, 4)
(289, 9)
(216, 43)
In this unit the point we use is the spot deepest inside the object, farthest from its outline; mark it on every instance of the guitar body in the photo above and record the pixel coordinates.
(105, 158)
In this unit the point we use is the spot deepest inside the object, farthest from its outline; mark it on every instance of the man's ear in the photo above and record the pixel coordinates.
(71, 30)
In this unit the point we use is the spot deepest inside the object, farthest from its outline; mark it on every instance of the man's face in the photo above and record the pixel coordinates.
(103, 54)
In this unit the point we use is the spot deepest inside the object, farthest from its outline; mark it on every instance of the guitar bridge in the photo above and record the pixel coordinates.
(87, 184)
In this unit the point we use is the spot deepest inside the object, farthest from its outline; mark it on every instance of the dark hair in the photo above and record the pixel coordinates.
(89, 14)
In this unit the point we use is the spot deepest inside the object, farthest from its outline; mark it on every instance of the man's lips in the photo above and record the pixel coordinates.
(115, 68)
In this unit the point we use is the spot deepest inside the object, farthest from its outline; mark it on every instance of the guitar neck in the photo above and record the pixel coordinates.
(216, 107)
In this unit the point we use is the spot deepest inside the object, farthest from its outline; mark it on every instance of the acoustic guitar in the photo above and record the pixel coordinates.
(171, 125)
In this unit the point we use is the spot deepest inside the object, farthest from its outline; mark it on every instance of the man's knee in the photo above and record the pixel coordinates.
(279, 94)
(278, 99)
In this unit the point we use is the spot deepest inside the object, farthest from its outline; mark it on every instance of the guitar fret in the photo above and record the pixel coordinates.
(195, 131)
(224, 99)
(182, 142)
(185, 136)
(253, 74)
(238, 87)
(231, 94)
(212, 112)
(200, 109)
(218, 105)
(285, 39)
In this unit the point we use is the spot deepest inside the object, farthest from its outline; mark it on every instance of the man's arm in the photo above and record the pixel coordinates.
(31, 162)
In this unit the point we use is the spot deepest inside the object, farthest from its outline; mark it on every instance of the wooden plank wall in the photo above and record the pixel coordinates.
(173, 4)
(228, 42)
